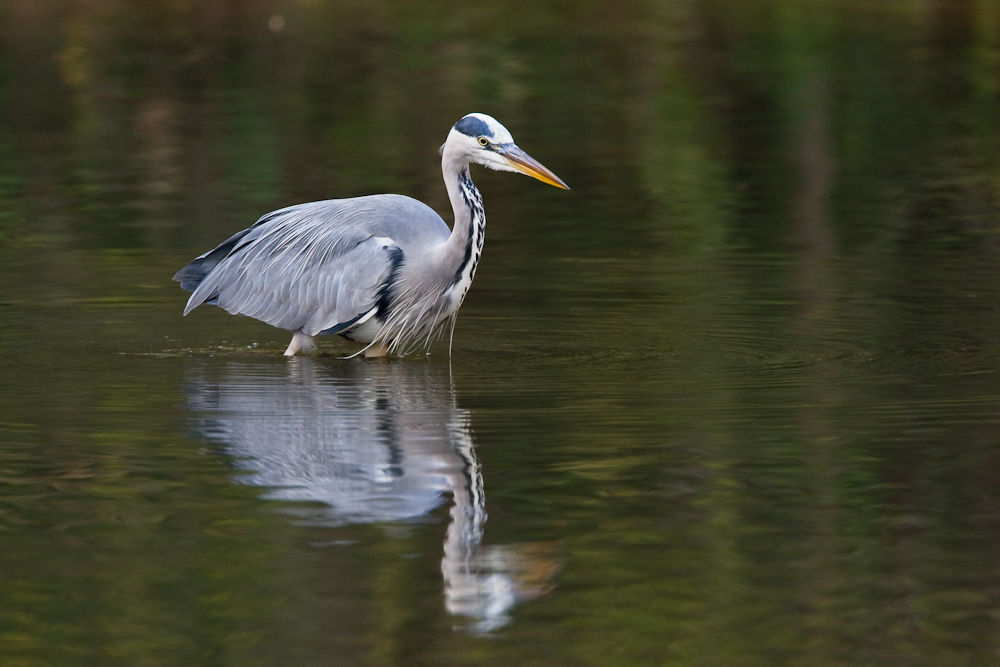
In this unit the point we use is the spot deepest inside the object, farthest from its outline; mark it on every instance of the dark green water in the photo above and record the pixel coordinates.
(731, 400)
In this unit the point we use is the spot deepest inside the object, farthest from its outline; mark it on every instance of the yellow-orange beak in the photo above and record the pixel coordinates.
(520, 161)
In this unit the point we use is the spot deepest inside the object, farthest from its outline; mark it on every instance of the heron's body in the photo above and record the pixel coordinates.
(383, 270)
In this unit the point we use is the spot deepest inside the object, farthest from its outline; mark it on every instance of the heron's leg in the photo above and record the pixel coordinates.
(376, 350)
(300, 341)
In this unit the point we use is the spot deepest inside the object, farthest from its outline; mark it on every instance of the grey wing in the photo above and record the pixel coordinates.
(309, 267)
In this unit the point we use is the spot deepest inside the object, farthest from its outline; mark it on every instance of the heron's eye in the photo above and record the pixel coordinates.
(483, 141)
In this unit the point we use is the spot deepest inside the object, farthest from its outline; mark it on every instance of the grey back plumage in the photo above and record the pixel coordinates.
(315, 267)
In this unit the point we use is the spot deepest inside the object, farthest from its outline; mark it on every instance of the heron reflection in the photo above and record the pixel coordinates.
(370, 443)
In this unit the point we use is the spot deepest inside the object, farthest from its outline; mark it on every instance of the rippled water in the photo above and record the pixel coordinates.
(731, 400)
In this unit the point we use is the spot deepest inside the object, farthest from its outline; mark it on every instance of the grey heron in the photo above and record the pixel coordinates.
(383, 270)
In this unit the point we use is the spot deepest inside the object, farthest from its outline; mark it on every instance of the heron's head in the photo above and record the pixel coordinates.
(482, 139)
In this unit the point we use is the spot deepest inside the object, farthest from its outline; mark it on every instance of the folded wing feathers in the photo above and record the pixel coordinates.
(296, 270)
(321, 266)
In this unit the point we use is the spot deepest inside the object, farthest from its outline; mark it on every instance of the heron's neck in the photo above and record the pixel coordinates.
(466, 242)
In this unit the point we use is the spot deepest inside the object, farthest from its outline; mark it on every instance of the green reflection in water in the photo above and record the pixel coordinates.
(737, 390)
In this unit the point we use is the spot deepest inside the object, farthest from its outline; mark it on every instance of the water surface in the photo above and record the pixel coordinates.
(730, 400)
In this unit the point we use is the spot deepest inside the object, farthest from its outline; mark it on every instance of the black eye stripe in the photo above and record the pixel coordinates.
(471, 126)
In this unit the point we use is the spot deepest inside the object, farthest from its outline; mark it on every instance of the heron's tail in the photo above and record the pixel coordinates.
(191, 275)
